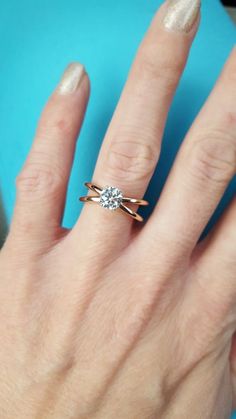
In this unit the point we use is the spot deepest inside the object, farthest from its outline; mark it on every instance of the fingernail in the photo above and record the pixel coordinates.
(71, 79)
(181, 15)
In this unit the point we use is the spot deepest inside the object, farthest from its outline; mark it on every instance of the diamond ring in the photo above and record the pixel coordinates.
(112, 198)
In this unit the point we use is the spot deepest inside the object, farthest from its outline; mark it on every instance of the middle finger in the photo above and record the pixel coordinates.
(203, 169)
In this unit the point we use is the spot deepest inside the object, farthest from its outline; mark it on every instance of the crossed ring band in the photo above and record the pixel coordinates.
(112, 198)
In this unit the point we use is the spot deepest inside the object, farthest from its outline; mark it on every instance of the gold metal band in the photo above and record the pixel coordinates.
(90, 199)
(95, 188)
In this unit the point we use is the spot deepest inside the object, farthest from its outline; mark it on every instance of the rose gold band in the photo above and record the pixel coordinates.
(95, 188)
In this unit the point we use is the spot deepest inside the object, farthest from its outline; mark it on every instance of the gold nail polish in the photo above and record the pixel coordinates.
(71, 79)
(181, 15)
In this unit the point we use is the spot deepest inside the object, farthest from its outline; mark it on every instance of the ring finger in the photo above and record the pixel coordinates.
(131, 147)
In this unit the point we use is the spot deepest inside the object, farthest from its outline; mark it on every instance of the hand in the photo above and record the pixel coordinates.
(115, 319)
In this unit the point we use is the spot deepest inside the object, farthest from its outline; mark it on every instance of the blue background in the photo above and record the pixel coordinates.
(39, 38)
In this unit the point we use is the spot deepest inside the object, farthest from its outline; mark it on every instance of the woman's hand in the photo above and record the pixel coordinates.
(108, 320)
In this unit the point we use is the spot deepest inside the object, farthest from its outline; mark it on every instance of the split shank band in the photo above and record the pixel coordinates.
(112, 198)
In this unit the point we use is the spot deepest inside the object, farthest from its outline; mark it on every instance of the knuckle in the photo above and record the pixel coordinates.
(57, 127)
(131, 158)
(38, 180)
(56, 121)
(214, 157)
(167, 68)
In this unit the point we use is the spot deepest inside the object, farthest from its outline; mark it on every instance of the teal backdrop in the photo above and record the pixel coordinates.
(39, 38)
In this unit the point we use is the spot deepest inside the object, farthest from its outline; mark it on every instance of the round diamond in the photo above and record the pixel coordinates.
(111, 198)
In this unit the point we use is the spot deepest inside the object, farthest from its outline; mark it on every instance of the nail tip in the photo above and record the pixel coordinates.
(71, 78)
(181, 15)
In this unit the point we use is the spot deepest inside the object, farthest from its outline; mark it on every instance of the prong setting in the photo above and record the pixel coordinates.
(111, 198)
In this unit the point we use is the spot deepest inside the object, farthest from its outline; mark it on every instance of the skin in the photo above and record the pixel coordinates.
(114, 319)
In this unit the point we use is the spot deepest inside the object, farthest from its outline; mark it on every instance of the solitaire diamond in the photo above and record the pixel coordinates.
(111, 198)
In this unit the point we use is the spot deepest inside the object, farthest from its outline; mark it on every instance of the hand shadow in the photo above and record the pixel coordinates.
(3, 222)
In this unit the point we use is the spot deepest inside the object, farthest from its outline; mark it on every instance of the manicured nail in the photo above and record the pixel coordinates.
(71, 79)
(181, 15)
